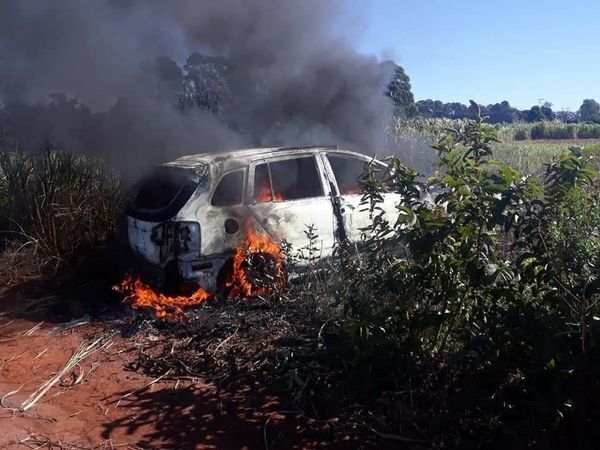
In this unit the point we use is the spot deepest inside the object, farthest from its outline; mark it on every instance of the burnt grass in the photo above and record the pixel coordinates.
(287, 344)
(282, 346)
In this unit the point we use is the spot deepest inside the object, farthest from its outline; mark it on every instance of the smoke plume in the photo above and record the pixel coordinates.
(141, 81)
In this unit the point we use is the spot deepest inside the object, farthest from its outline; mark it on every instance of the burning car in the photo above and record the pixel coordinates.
(191, 216)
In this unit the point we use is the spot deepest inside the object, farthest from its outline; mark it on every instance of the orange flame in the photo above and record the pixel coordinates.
(264, 195)
(352, 191)
(170, 308)
(240, 283)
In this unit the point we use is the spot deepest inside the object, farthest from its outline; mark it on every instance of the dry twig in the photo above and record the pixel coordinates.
(81, 353)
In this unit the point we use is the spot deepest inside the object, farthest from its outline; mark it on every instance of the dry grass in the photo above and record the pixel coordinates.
(52, 204)
(238, 336)
(84, 350)
(20, 261)
(36, 441)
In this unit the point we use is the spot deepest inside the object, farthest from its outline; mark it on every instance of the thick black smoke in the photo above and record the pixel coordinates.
(145, 80)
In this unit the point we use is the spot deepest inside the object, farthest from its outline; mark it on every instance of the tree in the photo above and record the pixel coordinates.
(433, 108)
(539, 114)
(589, 111)
(566, 116)
(456, 110)
(547, 111)
(424, 108)
(207, 82)
(502, 113)
(399, 91)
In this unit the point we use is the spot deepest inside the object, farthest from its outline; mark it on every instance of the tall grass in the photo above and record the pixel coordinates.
(53, 203)
(527, 147)
(520, 131)
(588, 131)
(411, 140)
(517, 131)
(529, 157)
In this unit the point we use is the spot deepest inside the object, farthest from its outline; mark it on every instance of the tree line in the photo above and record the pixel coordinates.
(400, 92)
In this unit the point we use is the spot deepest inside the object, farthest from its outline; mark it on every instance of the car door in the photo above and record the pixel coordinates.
(287, 196)
(222, 217)
(346, 170)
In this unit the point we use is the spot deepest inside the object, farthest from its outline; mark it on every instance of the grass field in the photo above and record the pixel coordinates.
(411, 140)
(529, 157)
(523, 131)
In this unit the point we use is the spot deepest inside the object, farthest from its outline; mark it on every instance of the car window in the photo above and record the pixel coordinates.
(347, 172)
(229, 191)
(290, 179)
(262, 184)
(158, 190)
(296, 178)
(161, 194)
(383, 174)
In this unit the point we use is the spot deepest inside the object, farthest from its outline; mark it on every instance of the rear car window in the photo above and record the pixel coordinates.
(347, 172)
(230, 190)
(161, 195)
(290, 179)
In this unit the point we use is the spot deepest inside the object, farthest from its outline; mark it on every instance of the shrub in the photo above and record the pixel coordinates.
(480, 303)
(540, 131)
(55, 202)
(561, 131)
(546, 130)
(549, 130)
(521, 134)
(588, 131)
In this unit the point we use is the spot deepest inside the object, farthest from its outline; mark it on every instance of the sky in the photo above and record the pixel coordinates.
(525, 51)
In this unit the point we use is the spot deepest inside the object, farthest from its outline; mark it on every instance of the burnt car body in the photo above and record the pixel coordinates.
(190, 214)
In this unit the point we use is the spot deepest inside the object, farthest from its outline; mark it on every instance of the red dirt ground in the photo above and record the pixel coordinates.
(115, 408)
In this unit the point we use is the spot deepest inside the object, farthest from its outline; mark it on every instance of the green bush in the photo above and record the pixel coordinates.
(549, 130)
(521, 134)
(545, 130)
(588, 131)
(540, 131)
(561, 131)
(471, 317)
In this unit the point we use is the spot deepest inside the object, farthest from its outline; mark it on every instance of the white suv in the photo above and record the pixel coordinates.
(190, 214)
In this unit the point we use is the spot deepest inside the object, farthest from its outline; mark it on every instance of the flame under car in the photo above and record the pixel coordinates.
(190, 216)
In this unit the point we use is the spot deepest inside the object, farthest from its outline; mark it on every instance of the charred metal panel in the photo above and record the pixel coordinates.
(204, 271)
(158, 243)
(289, 220)
(217, 222)
(356, 216)
(140, 234)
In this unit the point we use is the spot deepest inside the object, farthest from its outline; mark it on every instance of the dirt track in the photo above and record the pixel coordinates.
(114, 407)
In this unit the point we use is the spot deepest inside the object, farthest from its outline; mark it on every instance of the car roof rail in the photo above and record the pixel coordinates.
(307, 147)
